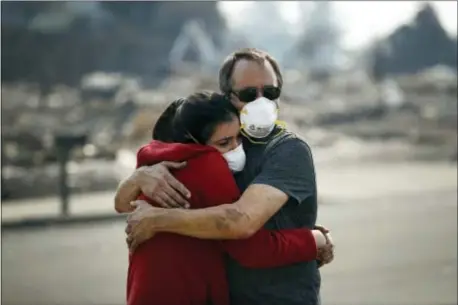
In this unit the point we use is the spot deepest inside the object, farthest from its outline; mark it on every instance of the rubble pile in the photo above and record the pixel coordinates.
(419, 110)
(345, 117)
(32, 121)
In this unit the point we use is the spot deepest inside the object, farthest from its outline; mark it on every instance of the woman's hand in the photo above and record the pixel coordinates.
(139, 228)
(320, 238)
(326, 252)
(321, 229)
(325, 255)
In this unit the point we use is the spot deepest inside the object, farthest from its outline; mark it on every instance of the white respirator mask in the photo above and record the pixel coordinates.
(258, 117)
(236, 158)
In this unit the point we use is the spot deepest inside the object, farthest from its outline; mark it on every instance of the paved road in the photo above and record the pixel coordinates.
(397, 247)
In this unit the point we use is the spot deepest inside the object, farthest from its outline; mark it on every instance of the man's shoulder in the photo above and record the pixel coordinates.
(287, 141)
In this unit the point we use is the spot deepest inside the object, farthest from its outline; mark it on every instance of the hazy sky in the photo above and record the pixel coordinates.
(361, 21)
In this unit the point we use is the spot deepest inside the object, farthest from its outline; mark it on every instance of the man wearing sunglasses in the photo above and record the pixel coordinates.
(278, 185)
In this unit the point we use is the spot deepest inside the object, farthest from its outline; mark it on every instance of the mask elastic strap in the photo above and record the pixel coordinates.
(282, 126)
(192, 138)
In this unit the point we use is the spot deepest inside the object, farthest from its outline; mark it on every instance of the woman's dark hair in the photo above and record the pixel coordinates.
(194, 118)
(163, 130)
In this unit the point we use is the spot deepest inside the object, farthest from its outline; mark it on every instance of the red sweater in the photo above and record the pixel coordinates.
(172, 269)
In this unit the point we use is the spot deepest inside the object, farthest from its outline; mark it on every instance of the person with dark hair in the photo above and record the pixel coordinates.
(278, 187)
(162, 130)
(172, 269)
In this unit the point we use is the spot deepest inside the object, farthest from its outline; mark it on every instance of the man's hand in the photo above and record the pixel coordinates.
(160, 185)
(138, 227)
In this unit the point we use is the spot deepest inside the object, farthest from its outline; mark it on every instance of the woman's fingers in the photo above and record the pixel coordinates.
(321, 228)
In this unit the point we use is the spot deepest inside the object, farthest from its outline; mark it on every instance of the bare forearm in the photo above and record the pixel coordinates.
(220, 222)
(127, 191)
(239, 220)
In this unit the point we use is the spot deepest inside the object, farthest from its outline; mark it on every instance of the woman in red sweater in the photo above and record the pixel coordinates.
(172, 269)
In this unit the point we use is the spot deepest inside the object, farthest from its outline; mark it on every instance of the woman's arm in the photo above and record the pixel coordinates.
(266, 248)
(269, 249)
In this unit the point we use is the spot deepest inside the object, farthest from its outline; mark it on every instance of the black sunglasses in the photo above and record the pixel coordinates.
(249, 94)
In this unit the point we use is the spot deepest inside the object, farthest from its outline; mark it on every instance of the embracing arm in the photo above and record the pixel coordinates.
(228, 221)
(269, 249)
(278, 181)
(288, 172)
(127, 191)
(155, 181)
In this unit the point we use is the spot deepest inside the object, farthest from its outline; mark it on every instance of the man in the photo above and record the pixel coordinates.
(278, 185)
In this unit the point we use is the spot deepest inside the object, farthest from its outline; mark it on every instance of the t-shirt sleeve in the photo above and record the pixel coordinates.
(289, 167)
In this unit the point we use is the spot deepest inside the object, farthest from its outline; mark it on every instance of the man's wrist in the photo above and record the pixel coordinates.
(135, 177)
(160, 219)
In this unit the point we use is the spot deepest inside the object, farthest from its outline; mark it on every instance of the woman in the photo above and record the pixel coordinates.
(171, 269)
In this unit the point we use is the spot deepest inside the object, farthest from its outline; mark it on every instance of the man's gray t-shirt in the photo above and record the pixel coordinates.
(288, 166)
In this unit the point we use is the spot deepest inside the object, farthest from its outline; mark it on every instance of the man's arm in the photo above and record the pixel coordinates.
(287, 172)
(228, 221)
(127, 191)
(156, 182)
